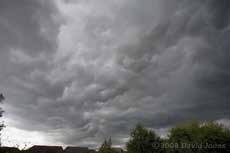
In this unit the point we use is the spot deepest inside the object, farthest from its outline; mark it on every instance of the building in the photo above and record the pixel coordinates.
(58, 149)
(118, 150)
(45, 149)
(9, 150)
(78, 150)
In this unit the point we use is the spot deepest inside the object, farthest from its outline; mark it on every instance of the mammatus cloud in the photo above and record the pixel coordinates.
(81, 71)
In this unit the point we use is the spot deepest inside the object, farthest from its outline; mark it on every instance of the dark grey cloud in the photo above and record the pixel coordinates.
(27, 25)
(111, 64)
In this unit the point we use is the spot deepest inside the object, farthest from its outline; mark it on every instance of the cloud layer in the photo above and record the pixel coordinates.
(84, 70)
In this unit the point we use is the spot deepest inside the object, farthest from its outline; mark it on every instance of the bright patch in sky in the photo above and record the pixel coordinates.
(12, 136)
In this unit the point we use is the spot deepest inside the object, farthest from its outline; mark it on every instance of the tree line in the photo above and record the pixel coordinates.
(191, 137)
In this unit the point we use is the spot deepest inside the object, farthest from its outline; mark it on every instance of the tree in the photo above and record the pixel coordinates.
(143, 141)
(1, 112)
(193, 137)
(106, 147)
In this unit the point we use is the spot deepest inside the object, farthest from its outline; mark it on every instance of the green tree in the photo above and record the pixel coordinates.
(106, 147)
(1, 112)
(143, 141)
(193, 137)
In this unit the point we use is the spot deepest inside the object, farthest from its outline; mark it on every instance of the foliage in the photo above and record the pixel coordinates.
(1, 97)
(1, 112)
(106, 147)
(143, 141)
(191, 137)
(200, 138)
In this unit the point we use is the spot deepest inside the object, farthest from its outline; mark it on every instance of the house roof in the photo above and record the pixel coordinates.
(91, 151)
(77, 150)
(9, 149)
(45, 149)
(118, 150)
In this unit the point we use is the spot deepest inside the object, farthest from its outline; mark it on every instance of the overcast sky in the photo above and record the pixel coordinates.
(77, 71)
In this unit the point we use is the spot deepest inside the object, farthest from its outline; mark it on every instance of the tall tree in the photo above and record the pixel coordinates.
(143, 141)
(1, 112)
(106, 147)
(1, 97)
(193, 137)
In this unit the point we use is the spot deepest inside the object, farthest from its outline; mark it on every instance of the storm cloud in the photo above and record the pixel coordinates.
(84, 70)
